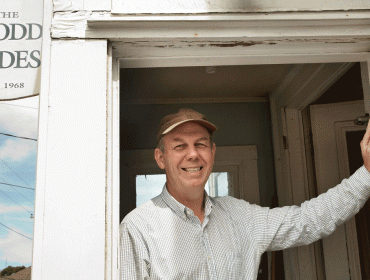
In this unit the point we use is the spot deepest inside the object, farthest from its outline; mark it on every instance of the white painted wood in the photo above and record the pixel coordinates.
(311, 185)
(113, 168)
(42, 145)
(347, 26)
(299, 181)
(204, 6)
(283, 184)
(68, 5)
(114, 111)
(365, 76)
(307, 82)
(323, 118)
(97, 5)
(239, 159)
(73, 236)
(343, 162)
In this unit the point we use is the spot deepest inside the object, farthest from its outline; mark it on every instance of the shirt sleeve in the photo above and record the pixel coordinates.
(317, 218)
(134, 254)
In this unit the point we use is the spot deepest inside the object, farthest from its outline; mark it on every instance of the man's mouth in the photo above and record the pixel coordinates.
(192, 169)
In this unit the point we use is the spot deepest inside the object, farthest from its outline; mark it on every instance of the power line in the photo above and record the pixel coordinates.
(16, 173)
(12, 186)
(15, 136)
(15, 202)
(15, 231)
(17, 186)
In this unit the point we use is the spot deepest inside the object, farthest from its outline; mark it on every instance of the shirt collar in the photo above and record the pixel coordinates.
(181, 209)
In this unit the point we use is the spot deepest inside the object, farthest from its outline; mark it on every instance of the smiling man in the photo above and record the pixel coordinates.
(185, 234)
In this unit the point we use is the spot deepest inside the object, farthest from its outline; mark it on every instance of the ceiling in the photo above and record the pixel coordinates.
(242, 81)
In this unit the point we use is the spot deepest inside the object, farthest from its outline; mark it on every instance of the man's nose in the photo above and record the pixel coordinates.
(192, 153)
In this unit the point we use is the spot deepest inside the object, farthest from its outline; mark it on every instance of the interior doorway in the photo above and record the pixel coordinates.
(147, 95)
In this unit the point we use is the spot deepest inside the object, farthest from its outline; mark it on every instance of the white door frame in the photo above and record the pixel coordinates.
(329, 122)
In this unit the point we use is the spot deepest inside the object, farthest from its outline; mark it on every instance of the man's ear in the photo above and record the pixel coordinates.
(158, 155)
(213, 149)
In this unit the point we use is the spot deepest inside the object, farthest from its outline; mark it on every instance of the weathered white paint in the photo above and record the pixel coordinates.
(323, 117)
(249, 38)
(71, 5)
(82, 5)
(207, 6)
(74, 163)
(97, 5)
(345, 25)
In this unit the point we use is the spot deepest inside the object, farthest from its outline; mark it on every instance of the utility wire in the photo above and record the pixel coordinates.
(15, 202)
(15, 136)
(16, 173)
(17, 187)
(12, 186)
(15, 231)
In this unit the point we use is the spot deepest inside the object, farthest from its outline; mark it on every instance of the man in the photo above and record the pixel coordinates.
(185, 234)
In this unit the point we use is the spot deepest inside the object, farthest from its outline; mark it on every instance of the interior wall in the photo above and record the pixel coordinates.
(238, 124)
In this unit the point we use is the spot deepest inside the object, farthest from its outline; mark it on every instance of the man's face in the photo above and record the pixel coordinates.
(187, 159)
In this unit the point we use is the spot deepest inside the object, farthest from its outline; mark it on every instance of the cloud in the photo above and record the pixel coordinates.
(15, 150)
(20, 121)
(13, 209)
(16, 248)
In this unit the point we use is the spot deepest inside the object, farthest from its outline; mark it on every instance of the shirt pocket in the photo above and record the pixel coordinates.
(234, 265)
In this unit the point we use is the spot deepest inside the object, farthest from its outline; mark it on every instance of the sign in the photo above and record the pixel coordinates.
(20, 48)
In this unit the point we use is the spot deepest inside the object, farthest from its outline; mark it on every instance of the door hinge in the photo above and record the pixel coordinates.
(285, 142)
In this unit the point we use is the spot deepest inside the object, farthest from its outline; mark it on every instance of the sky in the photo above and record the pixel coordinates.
(17, 168)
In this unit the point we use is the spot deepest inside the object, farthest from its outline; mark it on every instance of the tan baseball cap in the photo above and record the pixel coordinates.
(169, 122)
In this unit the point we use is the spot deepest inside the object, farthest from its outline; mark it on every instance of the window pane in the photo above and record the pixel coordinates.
(149, 186)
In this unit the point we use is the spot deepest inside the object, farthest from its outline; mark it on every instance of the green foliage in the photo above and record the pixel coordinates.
(10, 270)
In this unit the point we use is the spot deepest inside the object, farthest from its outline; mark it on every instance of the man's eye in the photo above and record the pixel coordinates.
(178, 147)
(200, 145)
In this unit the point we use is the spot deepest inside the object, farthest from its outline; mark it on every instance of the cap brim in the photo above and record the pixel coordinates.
(204, 123)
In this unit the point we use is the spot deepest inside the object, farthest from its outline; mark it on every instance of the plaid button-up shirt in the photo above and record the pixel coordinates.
(163, 239)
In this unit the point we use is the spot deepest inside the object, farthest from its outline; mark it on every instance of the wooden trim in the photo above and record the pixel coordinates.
(283, 182)
(323, 118)
(115, 165)
(299, 181)
(305, 83)
(113, 174)
(365, 77)
(351, 231)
